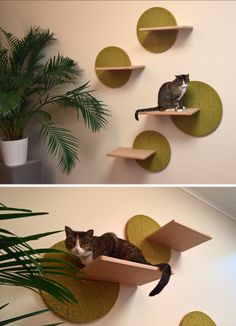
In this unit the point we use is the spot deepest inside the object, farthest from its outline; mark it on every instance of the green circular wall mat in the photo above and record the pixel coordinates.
(200, 95)
(113, 56)
(137, 229)
(156, 41)
(95, 298)
(151, 139)
(197, 318)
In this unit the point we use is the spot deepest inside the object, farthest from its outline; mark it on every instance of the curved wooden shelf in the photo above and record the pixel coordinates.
(164, 28)
(178, 237)
(122, 271)
(132, 153)
(187, 112)
(119, 68)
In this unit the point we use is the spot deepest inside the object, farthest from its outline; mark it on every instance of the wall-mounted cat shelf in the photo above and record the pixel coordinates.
(132, 153)
(187, 112)
(151, 150)
(178, 237)
(118, 270)
(164, 28)
(157, 29)
(108, 68)
(113, 66)
(105, 274)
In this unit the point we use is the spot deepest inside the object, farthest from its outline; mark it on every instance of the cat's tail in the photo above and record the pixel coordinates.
(145, 110)
(166, 274)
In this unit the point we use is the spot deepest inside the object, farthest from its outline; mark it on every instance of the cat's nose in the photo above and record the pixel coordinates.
(78, 251)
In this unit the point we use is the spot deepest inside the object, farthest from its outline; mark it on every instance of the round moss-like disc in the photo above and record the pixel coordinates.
(137, 229)
(203, 96)
(95, 298)
(156, 41)
(151, 139)
(113, 56)
(197, 318)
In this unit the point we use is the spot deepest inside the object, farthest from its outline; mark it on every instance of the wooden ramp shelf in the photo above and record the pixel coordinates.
(132, 153)
(187, 112)
(119, 68)
(177, 236)
(110, 269)
(164, 28)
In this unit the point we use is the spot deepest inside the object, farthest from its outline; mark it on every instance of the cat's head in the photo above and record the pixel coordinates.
(182, 80)
(79, 243)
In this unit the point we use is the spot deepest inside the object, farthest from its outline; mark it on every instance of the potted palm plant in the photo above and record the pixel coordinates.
(31, 84)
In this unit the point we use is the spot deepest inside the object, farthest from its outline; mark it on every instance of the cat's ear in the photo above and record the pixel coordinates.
(90, 233)
(68, 230)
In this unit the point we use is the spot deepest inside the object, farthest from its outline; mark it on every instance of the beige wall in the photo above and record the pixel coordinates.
(83, 28)
(204, 277)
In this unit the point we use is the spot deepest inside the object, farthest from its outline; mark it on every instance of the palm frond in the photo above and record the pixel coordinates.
(7, 208)
(10, 102)
(19, 215)
(50, 286)
(29, 51)
(3, 306)
(8, 43)
(58, 71)
(81, 99)
(12, 320)
(21, 265)
(60, 142)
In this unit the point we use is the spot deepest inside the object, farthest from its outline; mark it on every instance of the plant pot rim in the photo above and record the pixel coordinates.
(8, 140)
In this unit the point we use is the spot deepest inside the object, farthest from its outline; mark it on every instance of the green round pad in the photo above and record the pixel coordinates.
(95, 298)
(113, 56)
(200, 95)
(156, 41)
(197, 318)
(151, 139)
(137, 229)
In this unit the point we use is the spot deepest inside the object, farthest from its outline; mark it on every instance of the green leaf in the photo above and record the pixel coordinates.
(5, 232)
(58, 70)
(10, 101)
(3, 306)
(50, 286)
(25, 253)
(61, 143)
(12, 320)
(6, 208)
(20, 215)
(93, 111)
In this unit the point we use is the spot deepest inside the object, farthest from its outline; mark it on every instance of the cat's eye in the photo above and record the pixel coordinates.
(70, 243)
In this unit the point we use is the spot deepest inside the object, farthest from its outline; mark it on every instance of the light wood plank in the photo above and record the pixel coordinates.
(119, 68)
(132, 153)
(178, 237)
(110, 269)
(187, 111)
(164, 28)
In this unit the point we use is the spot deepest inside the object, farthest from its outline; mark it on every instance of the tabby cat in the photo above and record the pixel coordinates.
(170, 95)
(87, 247)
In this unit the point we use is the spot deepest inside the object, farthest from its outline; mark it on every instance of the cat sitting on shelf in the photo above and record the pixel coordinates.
(87, 247)
(170, 95)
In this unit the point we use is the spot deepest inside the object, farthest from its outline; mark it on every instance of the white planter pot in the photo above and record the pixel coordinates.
(14, 152)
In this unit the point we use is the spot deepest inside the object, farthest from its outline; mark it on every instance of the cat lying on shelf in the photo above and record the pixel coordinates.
(87, 247)
(170, 95)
